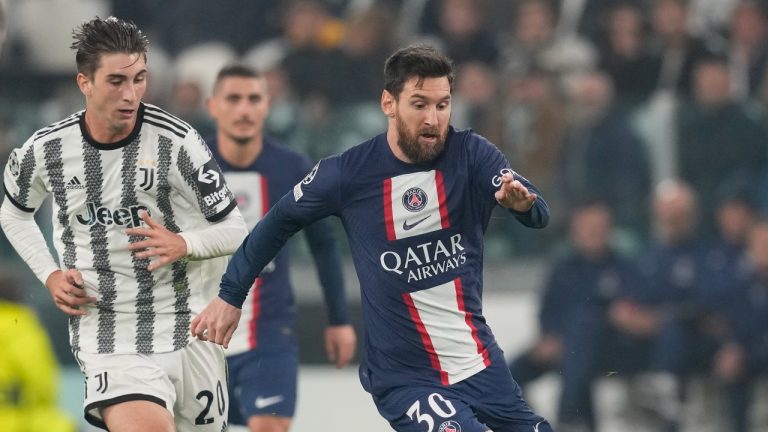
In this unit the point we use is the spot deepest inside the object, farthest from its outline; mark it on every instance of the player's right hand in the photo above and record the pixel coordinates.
(68, 292)
(216, 323)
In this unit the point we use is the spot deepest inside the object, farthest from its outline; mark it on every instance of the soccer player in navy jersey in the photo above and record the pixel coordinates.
(142, 221)
(262, 355)
(415, 202)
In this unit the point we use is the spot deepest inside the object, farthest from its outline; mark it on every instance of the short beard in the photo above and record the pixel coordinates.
(409, 144)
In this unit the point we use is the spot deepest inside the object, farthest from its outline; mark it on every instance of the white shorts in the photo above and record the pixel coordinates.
(190, 383)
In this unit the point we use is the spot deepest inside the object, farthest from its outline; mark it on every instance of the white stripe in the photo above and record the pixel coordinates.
(422, 221)
(451, 336)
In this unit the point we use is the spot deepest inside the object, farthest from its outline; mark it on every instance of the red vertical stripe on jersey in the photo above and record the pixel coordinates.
(425, 339)
(468, 319)
(440, 185)
(388, 216)
(264, 196)
(256, 307)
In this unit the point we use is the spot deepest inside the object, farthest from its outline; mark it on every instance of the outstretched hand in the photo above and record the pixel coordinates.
(216, 323)
(159, 242)
(514, 195)
(68, 292)
(340, 344)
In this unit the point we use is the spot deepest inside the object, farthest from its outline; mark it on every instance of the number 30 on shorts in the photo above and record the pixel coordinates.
(438, 406)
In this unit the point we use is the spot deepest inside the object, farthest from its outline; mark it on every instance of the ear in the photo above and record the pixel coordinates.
(210, 105)
(388, 103)
(84, 83)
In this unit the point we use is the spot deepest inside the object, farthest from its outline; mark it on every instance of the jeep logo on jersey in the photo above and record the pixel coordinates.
(414, 199)
(425, 260)
(123, 216)
(13, 164)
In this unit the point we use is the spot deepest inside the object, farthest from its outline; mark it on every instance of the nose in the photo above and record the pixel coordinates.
(129, 92)
(430, 117)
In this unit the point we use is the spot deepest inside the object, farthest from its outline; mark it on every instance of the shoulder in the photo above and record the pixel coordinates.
(159, 118)
(58, 128)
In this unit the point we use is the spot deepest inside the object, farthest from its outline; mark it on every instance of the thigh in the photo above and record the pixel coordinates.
(429, 409)
(111, 379)
(265, 383)
(200, 376)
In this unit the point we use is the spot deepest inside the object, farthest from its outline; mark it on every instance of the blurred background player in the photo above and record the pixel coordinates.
(29, 372)
(263, 355)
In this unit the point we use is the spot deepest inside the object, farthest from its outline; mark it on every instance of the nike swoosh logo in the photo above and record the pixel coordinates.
(267, 401)
(407, 226)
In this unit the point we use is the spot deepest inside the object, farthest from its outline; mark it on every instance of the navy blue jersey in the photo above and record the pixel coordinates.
(416, 234)
(269, 311)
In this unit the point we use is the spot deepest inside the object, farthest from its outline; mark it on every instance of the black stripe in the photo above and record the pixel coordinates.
(16, 203)
(64, 126)
(162, 126)
(220, 215)
(26, 171)
(94, 178)
(165, 120)
(98, 405)
(179, 268)
(181, 124)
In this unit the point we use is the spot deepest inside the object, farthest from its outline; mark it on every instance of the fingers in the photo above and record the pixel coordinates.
(148, 220)
(74, 277)
(330, 350)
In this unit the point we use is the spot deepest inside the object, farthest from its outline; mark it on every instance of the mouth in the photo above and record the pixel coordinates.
(430, 138)
(126, 113)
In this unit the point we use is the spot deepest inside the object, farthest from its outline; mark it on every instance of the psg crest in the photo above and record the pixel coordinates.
(449, 426)
(414, 199)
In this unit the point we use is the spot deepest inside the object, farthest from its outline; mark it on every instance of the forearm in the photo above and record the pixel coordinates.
(23, 233)
(327, 257)
(219, 239)
(258, 249)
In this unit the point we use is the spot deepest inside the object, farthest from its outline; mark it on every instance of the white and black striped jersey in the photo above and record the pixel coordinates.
(99, 190)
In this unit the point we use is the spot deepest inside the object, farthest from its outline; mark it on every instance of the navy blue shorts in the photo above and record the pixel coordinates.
(262, 384)
(488, 400)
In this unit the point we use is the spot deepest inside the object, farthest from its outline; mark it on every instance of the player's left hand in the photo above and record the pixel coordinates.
(514, 195)
(169, 247)
(340, 343)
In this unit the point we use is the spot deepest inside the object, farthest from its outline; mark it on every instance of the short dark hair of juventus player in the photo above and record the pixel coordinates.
(415, 202)
(142, 221)
(262, 357)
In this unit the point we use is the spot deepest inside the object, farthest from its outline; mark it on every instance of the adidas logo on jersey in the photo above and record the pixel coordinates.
(74, 183)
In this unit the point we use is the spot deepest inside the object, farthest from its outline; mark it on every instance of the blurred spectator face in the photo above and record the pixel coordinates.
(670, 18)
(675, 212)
(240, 105)
(734, 219)
(591, 230)
(711, 84)
(748, 24)
(533, 88)
(460, 19)
(367, 32)
(302, 22)
(758, 247)
(591, 95)
(625, 33)
(476, 83)
(534, 24)
(186, 96)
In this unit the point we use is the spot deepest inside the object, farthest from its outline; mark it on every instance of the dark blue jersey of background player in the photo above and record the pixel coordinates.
(269, 313)
(416, 234)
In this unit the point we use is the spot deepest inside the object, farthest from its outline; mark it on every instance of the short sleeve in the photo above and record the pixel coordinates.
(203, 175)
(22, 180)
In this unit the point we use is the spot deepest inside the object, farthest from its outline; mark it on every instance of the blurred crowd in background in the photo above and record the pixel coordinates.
(643, 122)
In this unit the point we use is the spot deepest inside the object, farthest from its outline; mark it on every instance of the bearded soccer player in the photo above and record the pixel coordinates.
(142, 222)
(415, 202)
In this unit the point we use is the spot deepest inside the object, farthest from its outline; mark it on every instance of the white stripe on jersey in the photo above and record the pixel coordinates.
(447, 332)
(251, 193)
(414, 204)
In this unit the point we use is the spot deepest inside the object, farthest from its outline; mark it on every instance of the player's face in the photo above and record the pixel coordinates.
(422, 113)
(240, 105)
(114, 91)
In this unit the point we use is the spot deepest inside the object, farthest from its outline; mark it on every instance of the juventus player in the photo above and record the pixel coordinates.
(262, 355)
(142, 222)
(415, 202)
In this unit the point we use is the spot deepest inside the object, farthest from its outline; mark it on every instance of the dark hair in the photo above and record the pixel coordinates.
(106, 36)
(237, 70)
(422, 61)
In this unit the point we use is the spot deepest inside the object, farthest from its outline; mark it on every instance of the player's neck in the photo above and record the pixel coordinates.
(392, 141)
(240, 155)
(104, 133)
